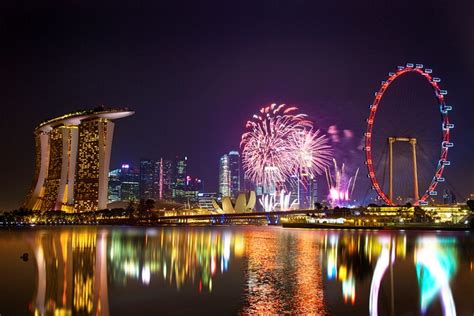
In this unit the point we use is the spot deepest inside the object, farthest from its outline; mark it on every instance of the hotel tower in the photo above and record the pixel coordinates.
(72, 161)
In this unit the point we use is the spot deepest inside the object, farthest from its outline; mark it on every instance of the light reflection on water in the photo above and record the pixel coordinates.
(172, 255)
(250, 270)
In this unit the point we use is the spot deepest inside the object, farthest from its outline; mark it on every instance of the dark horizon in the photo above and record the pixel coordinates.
(195, 73)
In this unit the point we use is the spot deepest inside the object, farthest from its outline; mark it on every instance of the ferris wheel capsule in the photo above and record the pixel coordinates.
(445, 108)
(433, 193)
(391, 74)
(423, 203)
(428, 71)
(439, 179)
(447, 144)
(448, 125)
(436, 79)
(445, 162)
(410, 65)
(443, 92)
(419, 66)
(400, 67)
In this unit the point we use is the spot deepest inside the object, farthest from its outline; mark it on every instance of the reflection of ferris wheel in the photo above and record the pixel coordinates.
(445, 127)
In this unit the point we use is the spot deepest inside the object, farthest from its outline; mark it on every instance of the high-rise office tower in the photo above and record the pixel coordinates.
(115, 185)
(130, 177)
(180, 173)
(307, 193)
(193, 188)
(72, 161)
(224, 176)
(149, 179)
(234, 167)
(166, 179)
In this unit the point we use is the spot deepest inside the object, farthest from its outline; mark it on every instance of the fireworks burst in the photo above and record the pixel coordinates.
(314, 152)
(340, 186)
(280, 142)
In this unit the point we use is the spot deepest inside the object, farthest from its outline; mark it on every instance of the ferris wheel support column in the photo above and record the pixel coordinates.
(391, 140)
(416, 195)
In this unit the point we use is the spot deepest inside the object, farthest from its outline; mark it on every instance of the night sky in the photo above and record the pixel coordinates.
(195, 71)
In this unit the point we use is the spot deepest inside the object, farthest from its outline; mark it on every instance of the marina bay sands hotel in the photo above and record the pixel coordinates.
(72, 161)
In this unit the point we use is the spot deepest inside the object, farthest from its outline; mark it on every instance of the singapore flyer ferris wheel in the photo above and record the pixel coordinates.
(445, 142)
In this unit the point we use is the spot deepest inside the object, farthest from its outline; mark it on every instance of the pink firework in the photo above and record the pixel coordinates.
(280, 141)
(340, 185)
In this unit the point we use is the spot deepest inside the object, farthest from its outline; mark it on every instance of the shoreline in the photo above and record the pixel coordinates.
(404, 227)
(454, 227)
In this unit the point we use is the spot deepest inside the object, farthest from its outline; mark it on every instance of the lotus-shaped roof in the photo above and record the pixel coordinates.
(244, 203)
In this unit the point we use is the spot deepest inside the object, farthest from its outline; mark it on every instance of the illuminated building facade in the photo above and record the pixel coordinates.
(234, 167)
(166, 179)
(130, 183)
(115, 185)
(205, 200)
(179, 184)
(124, 184)
(224, 176)
(307, 191)
(72, 161)
(149, 179)
(192, 189)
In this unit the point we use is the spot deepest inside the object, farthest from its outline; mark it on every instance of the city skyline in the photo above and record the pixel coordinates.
(194, 85)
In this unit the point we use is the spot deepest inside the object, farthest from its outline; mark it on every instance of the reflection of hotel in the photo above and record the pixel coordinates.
(72, 273)
(72, 161)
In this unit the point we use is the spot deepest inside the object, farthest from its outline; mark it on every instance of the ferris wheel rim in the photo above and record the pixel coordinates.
(446, 126)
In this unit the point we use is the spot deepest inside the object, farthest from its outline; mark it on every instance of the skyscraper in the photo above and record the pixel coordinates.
(179, 185)
(130, 177)
(166, 179)
(224, 176)
(307, 191)
(115, 185)
(234, 166)
(124, 184)
(149, 179)
(193, 188)
(72, 161)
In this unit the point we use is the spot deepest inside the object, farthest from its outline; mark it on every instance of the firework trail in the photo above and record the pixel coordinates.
(280, 142)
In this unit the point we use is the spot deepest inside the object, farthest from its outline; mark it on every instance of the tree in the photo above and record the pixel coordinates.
(130, 209)
(470, 203)
(149, 204)
(318, 206)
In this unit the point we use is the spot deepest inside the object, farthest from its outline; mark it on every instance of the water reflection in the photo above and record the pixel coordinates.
(283, 274)
(72, 273)
(436, 264)
(174, 255)
(271, 270)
